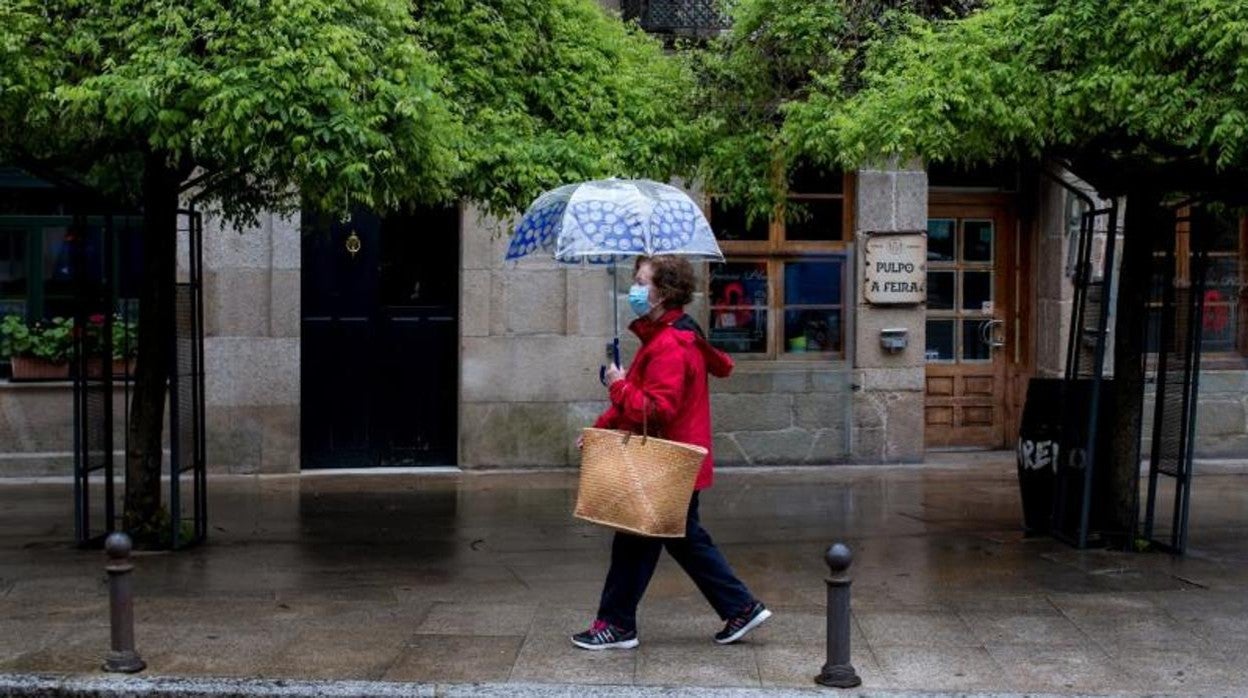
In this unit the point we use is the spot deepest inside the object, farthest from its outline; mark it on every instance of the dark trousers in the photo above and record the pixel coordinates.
(633, 559)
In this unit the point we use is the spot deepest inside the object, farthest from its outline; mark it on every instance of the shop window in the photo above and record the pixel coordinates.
(780, 294)
(1224, 338)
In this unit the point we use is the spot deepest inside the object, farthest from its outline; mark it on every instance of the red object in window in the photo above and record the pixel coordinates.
(734, 294)
(1215, 311)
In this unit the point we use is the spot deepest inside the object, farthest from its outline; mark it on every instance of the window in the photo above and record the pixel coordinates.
(960, 289)
(1225, 320)
(780, 293)
(36, 279)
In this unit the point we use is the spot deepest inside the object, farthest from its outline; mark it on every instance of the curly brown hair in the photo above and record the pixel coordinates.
(673, 278)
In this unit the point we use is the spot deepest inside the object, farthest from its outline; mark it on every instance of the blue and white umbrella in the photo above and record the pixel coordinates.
(609, 220)
(605, 221)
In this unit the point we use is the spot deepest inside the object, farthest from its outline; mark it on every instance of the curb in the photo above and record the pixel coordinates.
(42, 685)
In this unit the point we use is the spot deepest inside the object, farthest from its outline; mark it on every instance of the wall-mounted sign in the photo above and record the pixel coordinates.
(896, 269)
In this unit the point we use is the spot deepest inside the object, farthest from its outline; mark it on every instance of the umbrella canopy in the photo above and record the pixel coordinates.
(605, 221)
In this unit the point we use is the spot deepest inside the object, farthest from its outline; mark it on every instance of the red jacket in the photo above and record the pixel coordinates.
(669, 376)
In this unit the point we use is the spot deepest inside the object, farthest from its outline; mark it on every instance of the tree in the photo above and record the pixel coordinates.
(553, 91)
(249, 105)
(777, 55)
(1141, 98)
(375, 103)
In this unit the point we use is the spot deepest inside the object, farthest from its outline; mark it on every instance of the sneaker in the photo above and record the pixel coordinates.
(736, 628)
(604, 636)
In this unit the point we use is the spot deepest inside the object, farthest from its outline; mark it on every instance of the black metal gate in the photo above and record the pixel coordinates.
(105, 296)
(1177, 293)
(1078, 477)
(92, 255)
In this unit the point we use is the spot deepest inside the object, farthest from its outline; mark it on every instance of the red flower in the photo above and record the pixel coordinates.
(97, 319)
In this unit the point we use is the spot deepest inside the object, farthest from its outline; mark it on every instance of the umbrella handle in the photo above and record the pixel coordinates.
(613, 354)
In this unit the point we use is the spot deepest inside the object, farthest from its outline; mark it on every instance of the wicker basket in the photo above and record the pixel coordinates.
(637, 484)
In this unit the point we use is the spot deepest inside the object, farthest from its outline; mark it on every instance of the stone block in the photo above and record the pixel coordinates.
(579, 416)
(782, 447)
(870, 410)
(889, 379)
(752, 412)
(236, 302)
(904, 433)
(874, 201)
(1052, 319)
(726, 450)
(829, 447)
(589, 303)
(529, 302)
(227, 247)
(234, 440)
(911, 201)
(1219, 418)
(1234, 446)
(286, 241)
(872, 319)
(756, 377)
(474, 303)
(1230, 382)
(817, 412)
(514, 434)
(530, 369)
(279, 446)
(251, 371)
(833, 378)
(480, 238)
(285, 303)
(868, 445)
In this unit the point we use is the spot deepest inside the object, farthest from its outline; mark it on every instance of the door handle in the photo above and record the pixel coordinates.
(987, 333)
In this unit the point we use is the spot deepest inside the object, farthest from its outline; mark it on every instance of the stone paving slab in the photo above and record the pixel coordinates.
(469, 584)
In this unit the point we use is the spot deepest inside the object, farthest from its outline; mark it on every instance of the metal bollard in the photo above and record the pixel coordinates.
(122, 657)
(838, 672)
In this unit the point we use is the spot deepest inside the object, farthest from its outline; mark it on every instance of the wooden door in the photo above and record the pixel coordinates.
(970, 296)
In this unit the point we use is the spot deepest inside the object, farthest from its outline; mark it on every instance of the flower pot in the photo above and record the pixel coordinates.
(121, 368)
(27, 368)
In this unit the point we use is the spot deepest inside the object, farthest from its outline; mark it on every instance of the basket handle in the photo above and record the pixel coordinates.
(645, 421)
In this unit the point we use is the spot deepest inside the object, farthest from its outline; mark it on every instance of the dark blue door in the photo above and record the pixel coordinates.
(380, 339)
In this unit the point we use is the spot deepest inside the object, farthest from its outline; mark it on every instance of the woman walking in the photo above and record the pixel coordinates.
(668, 379)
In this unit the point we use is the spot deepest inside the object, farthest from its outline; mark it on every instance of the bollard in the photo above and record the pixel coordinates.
(122, 657)
(838, 672)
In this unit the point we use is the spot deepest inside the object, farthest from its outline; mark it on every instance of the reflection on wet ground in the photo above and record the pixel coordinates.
(480, 578)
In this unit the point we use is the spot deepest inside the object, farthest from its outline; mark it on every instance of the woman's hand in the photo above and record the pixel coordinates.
(580, 442)
(614, 373)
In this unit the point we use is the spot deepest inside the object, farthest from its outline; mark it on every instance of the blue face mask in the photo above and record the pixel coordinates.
(639, 299)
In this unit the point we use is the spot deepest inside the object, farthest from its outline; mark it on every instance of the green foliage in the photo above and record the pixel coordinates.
(552, 91)
(52, 340)
(331, 98)
(1137, 83)
(776, 57)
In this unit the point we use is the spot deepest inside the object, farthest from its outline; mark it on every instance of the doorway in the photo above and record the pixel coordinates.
(380, 339)
(973, 323)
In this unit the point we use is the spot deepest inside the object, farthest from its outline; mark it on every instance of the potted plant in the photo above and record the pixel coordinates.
(39, 351)
(125, 345)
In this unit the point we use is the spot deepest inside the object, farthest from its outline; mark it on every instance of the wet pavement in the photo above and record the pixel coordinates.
(480, 577)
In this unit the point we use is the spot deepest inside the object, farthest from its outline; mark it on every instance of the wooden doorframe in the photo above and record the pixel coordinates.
(1020, 295)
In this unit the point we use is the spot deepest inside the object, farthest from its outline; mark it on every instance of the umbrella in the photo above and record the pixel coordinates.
(605, 221)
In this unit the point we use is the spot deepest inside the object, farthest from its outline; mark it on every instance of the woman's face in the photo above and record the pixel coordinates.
(644, 277)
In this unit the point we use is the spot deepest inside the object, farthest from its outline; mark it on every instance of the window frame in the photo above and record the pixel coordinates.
(776, 251)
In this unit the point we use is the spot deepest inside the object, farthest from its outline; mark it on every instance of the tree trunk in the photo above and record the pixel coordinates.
(1144, 218)
(143, 517)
